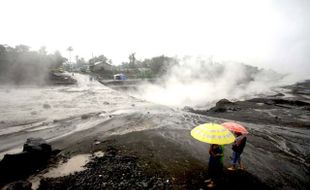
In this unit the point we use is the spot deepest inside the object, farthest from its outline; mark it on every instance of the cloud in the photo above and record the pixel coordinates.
(271, 34)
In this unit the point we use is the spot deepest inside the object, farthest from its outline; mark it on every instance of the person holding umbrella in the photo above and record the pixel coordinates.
(215, 163)
(217, 136)
(238, 144)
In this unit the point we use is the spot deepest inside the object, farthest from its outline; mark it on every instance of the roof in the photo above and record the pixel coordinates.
(101, 62)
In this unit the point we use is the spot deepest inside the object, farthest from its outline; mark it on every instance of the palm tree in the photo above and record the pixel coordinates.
(69, 49)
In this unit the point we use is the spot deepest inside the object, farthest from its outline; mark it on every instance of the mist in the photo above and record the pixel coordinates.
(267, 34)
(200, 82)
(20, 65)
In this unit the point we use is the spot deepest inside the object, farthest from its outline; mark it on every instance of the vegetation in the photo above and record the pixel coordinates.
(148, 68)
(134, 68)
(20, 65)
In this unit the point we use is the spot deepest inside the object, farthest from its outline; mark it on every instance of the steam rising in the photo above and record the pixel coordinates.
(196, 82)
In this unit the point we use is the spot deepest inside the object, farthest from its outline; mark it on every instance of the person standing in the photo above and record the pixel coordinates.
(237, 148)
(215, 163)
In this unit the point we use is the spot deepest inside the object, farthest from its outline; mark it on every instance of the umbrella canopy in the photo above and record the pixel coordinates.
(235, 127)
(213, 134)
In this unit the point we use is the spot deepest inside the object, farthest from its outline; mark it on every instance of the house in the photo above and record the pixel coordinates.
(102, 66)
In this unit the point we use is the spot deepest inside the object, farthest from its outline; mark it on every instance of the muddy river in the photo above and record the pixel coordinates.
(68, 115)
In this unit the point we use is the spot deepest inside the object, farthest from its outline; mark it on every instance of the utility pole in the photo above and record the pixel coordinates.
(70, 49)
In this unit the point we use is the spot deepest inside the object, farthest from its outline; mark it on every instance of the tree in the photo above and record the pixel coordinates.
(132, 60)
(58, 59)
(22, 48)
(19, 65)
(160, 65)
(69, 49)
(101, 58)
(2, 49)
(42, 50)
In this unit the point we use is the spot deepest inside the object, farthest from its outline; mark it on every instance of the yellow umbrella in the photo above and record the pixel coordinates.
(213, 134)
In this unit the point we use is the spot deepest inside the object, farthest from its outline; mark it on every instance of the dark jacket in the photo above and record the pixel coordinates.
(239, 144)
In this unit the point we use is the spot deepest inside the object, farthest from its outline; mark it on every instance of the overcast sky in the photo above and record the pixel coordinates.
(267, 33)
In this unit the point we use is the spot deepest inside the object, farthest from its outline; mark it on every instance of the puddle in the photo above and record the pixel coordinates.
(74, 164)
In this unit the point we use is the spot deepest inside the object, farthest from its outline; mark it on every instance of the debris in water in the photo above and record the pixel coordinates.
(97, 142)
(46, 106)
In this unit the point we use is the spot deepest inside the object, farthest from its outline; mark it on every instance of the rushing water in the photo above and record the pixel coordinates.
(277, 155)
(54, 112)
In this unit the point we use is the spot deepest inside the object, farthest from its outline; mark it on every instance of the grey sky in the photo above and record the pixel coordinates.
(272, 34)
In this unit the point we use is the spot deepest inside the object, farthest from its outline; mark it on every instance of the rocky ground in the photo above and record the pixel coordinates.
(60, 79)
(293, 111)
(149, 146)
(112, 171)
(270, 110)
(129, 163)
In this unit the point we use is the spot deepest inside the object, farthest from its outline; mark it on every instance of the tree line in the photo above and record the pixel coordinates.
(134, 68)
(21, 65)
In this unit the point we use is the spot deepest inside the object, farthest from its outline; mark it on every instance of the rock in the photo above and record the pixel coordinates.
(144, 184)
(225, 105)
(307, 108)
(188, 108)
(35, 155)
(85, 116)
(97, 142)
(277, 95)
(18, 185)
(37, 145)
(106, 103)
(61, 78)
(223, 102)
(112, 171)
(46, 106)
(33, 113)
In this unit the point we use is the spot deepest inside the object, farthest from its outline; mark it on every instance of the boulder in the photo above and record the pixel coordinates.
(223, 102)
(18, 185)
(225, 105)
(46, 106)
(37, 145)
(35, 155)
